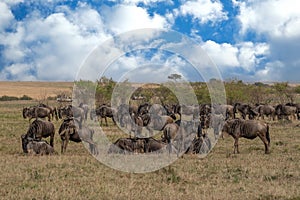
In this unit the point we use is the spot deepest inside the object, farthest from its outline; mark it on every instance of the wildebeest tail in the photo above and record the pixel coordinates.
(268, 135)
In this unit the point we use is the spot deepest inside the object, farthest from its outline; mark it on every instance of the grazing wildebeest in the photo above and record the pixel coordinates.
(283, 111)
(53, 110)
(37, 130)
(39, 147)
(36, 112)
(267, 110)
(70, 130)
(249, 129)
(243, 109)
(297, 105)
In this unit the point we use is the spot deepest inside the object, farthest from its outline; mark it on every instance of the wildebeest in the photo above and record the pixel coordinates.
(200, 145)
(105, 111)
(297, 105)
(244, 110)
(181, 134)
(70, 130)
(122, 145)
(36, 112)
(72, 111)
(143, 108)
(155, 122)
(37, 130)
(39, 147)
(267, 110)
(85, 108)
(124, 112)
(171, 137)
(137, 145)
(283, 111)
(157, 109)
(249, 129)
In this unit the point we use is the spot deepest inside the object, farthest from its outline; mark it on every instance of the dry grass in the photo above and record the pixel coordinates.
(220, 175)
(35, 90)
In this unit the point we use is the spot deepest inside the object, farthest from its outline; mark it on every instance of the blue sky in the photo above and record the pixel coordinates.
(251, 40)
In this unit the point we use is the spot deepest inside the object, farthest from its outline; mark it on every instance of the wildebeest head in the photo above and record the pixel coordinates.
(26, 112)
(25, 141)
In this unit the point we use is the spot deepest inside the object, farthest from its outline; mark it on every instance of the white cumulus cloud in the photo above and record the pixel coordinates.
(203, 11)
(122, 18)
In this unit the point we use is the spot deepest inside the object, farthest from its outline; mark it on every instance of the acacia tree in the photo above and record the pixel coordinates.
(174, 77)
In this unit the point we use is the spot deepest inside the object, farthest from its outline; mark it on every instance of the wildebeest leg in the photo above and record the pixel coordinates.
(266, 143)
(62, 146)
(236, 146)
(64, 143)
(52, 140)
(105, 118)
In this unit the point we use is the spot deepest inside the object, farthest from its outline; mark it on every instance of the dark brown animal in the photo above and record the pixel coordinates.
(266, 110)
(70, 130)
(70, 111)
(104, 112)
(37, 130)
(122, 146)
(249, 129)
(39, 148)
(36, 112)
(283, 111)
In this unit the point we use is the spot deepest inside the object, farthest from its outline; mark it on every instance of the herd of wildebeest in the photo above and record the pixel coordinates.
(180, 128)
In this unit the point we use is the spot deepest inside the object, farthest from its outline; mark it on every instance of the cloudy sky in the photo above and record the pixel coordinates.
(251, 40)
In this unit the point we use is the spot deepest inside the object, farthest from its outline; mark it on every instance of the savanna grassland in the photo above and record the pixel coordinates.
(77, 175)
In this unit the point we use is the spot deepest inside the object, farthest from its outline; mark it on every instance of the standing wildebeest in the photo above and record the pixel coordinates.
(85, 108)
(70, 130)
(53, 110)
(124, 112)
(155, 122)
(283, 111)
(297, 105)
(244, 110)
(37, 130)
(105, 111)
(72, 111)
(249, 129)
(36, 112)
(267, 110)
